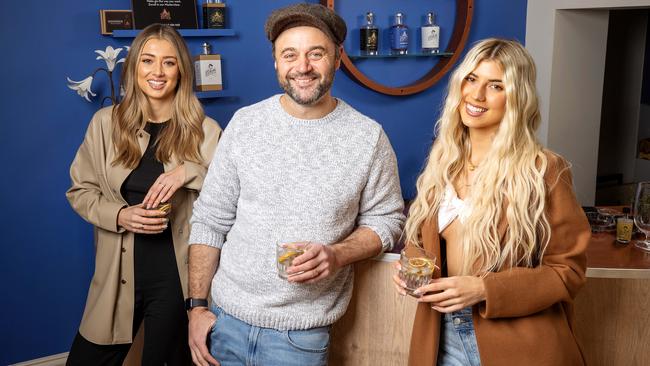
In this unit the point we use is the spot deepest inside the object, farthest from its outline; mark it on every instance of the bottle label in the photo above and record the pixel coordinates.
(431, 37)
(214, 17)
(399, 39)
(624, 228)
(369, 40)
(207, 72)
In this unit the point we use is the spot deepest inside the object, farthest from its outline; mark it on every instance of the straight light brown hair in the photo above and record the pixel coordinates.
(183, 134)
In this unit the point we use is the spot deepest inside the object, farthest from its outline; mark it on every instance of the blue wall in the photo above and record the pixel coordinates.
(49, 253)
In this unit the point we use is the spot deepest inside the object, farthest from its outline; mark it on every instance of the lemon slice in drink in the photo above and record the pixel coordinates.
(165, 207)
(418, 262)
(289, 255)
(286, 256)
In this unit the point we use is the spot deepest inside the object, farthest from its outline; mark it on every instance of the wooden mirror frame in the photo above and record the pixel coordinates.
(464, 13)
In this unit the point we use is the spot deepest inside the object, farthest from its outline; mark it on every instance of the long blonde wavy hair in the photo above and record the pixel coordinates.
(183, 134)
(511, 176)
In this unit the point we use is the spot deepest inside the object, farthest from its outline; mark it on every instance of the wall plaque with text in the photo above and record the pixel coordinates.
(175, 13)
(111, 20)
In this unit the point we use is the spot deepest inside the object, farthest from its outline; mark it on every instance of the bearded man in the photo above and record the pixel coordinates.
(301, 168)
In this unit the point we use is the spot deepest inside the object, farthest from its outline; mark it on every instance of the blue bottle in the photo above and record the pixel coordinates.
(399, 36)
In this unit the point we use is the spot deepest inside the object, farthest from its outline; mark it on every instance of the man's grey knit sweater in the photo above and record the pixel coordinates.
(278, 178)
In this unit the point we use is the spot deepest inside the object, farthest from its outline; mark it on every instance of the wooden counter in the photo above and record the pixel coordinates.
(608, 259)
(612, 311)
(376, 329)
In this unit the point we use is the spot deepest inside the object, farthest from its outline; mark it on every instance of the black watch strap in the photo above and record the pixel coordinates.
(192, 303)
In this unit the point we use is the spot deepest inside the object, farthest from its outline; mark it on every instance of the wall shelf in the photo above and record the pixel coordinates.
(408, 55)
(213, 94)
(132, 33)
(462, 22)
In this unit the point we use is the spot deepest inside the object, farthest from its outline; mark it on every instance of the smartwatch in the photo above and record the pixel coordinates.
(192, 303)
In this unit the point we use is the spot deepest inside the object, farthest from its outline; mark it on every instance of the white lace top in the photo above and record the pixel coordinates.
(452, 207)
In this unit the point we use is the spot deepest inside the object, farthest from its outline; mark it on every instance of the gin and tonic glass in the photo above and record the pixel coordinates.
(417, 267)
(286, 252)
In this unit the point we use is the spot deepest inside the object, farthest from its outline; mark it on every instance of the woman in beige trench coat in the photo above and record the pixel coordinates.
(151, 149)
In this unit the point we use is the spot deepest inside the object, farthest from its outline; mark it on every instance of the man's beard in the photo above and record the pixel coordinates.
(321, 89)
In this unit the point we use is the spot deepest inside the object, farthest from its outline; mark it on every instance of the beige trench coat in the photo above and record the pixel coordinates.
(95, 196)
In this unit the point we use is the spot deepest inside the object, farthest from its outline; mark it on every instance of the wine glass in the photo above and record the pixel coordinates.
(642, 213)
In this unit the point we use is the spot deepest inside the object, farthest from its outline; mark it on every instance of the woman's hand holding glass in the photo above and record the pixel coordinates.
(445, 294)
(164, 187)
(449, 294)
(139, 220)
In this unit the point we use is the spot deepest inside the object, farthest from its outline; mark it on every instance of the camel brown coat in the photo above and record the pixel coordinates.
(95, 196)
(527, 317)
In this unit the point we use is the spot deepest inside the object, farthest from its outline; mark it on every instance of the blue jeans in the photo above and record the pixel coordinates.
(236, 343)
(457, 340)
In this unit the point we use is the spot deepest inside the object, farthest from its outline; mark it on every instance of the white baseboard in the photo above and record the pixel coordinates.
(54, 360)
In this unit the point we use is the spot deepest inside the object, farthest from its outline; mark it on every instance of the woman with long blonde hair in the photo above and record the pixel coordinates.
(135, 178)
(500, 213)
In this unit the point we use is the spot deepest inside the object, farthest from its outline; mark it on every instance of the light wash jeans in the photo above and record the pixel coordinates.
(236, 343)
(457, 340)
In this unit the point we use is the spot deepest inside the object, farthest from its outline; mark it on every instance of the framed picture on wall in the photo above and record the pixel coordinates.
(111, 20)
(175, 13)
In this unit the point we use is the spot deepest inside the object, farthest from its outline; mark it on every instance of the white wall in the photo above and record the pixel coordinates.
(567, 38)
(576, 93)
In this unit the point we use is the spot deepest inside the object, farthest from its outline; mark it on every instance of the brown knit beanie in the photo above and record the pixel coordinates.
(311, 15)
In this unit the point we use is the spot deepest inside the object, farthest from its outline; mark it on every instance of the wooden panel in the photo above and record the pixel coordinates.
(613, 321)
(376, 329)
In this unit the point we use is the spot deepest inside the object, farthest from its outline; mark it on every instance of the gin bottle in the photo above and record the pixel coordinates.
(369, 41)
(430, 35)
(399, 36)
(214, 14)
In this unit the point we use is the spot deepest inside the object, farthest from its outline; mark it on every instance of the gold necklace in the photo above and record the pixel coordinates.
(471, 166)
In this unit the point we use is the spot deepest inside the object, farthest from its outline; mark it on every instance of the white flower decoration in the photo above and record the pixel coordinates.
(82, 87)
(110, 55)
(128, 48)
